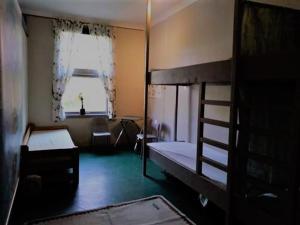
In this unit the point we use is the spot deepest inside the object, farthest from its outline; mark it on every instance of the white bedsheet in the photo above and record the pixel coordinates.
(50, 139)
(184, 154)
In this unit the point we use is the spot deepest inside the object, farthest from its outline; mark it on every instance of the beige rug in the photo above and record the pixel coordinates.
(155, 210)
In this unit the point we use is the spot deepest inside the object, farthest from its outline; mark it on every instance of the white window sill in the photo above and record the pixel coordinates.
(87, 115)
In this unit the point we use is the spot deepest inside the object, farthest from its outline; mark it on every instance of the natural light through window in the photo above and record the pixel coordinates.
(85, 80)
(86, 54)
(93, 93)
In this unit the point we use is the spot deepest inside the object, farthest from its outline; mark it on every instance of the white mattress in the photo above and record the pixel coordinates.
(50, 139)
(184, 154)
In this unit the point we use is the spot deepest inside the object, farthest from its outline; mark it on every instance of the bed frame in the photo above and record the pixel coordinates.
(33, 162)
(241, 69)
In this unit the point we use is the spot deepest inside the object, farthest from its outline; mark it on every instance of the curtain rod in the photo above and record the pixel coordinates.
(48, 17)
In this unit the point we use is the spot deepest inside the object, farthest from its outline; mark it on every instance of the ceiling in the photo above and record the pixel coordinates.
(126, 13)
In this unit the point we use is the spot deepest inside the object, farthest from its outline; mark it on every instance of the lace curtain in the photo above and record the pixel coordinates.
(104, 39)
(63, 65)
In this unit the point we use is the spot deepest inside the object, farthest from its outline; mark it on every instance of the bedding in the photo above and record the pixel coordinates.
(50, 139)
(184, 154)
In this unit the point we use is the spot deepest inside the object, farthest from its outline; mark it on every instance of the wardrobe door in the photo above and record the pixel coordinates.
(266, 144)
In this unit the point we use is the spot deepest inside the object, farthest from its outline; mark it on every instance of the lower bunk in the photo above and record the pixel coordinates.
(179, 160)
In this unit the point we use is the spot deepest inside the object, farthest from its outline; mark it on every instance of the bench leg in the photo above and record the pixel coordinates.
(76, 170)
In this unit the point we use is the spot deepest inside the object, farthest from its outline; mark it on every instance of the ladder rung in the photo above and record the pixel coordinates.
(214, 163)
(215, 102)
(215, 122)
(215, 143)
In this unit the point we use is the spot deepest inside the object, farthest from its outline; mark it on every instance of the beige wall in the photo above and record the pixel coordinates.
(129, 58)
(130, 71)
(202, 32)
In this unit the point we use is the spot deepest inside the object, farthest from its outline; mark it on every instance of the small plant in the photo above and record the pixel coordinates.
(82, 110)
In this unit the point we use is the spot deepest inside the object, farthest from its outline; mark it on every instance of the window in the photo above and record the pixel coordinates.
(85, 80)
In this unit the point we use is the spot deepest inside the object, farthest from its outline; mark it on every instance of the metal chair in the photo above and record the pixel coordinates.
(100, 130)
(153, 134)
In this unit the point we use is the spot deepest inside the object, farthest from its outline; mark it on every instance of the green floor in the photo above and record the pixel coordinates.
(114, 178)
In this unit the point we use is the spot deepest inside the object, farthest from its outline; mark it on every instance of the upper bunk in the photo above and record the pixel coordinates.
(267, 46)
(219, 71)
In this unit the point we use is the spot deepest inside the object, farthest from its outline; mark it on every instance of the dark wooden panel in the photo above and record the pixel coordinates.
(212, 190)
(219, 71)
(265, 159)
(147, 77)
(267, 29)
(265, 186)
(293, 167)
(269, 67)
(176, 113)
(265, 131)
(200, 127)
(250, 214)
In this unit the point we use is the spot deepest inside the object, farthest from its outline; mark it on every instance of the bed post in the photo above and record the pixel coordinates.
(147, 36)
(200, 128)
(237, 24)
(176, 113)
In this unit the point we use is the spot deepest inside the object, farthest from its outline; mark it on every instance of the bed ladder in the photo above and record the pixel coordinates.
(229, 147)
(203, 140)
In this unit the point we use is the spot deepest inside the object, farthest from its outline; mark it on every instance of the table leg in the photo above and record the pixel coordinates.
(119, 136)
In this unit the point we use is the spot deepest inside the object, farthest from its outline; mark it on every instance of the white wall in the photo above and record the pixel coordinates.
(200, 33)
(129, 57)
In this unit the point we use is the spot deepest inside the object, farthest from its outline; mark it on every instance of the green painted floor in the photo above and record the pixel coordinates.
(112, 178)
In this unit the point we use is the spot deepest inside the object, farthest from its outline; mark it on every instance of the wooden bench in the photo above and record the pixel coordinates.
(49, 149)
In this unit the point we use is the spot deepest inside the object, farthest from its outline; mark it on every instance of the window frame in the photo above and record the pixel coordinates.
(87, 73)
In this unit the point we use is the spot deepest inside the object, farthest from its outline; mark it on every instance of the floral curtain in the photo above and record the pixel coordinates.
(104, 40)
(63, 66)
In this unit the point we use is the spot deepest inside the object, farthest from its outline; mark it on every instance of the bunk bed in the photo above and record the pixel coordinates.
(208, 175)
(252, 179)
